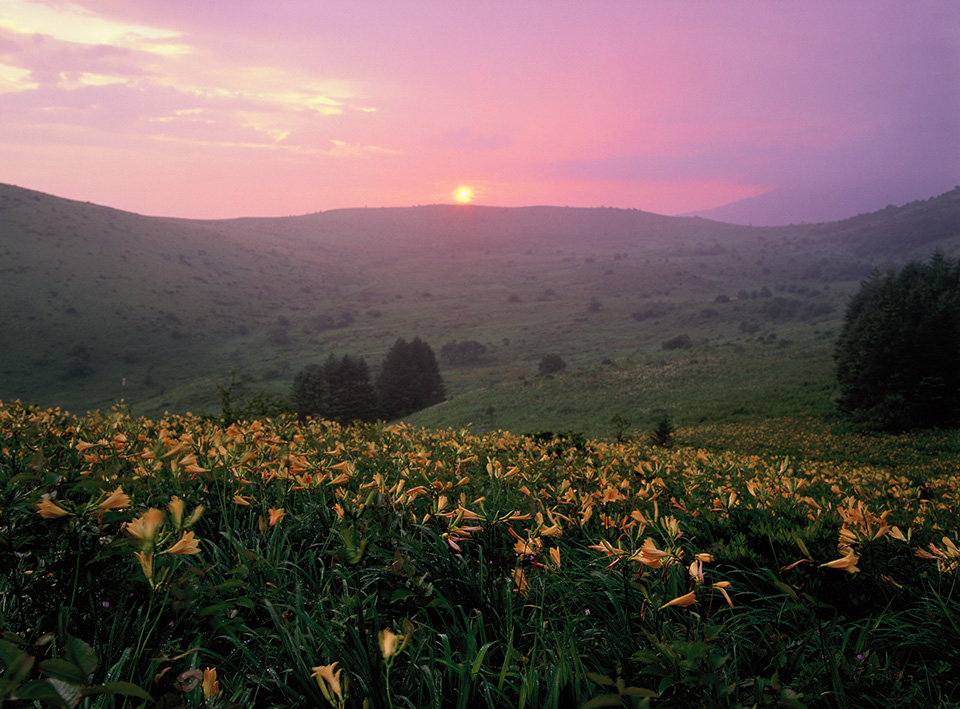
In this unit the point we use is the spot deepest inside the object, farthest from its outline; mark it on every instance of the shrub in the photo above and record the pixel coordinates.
(551, 364)
(680, 342)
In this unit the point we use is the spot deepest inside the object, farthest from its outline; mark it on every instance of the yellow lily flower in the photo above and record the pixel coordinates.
(146, 564)
(847, 562)
(722, 586)
(681, 601)
(49, 510)
(176, 511)
(388, 643)
(188, 544)
(329, 681)
(117, 500)
(649, 555)
(210, 684)
(555, 556)
(146, 526)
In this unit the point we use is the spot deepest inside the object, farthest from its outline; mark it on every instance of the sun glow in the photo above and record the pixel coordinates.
(463, 194)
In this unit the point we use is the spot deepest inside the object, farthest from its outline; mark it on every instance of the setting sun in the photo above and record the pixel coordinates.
(463, 194)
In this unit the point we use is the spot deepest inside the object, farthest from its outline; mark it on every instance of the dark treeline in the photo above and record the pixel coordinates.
(341, 389)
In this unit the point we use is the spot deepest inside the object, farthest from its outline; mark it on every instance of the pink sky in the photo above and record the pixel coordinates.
(210, 108)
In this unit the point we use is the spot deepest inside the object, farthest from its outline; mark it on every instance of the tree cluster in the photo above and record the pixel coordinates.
(898, 355)
(342, 390)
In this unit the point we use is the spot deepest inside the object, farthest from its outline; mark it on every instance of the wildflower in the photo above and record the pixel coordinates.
(187, 545)
(388, 643)
(276, 514)
(649, 555)
(329, 682)
(176, 511)
(519, 581)
(555, 556)
(195, 515)
(115, 501)
(240, 500)
(146, 526)
(681, 601)
(794, 564)
(210, 684)
(146, 564)
(49, 510)
(847, 562)
(190, 465)
(722, 586)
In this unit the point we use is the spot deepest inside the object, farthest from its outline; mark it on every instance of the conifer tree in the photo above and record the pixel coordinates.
(409, 379)
(898, 355)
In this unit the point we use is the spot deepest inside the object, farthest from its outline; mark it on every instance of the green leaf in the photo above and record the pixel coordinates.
(478, 661)
(640, 692)
(64, 670)
(44, 691)
(126, 689)
(17, 670)
(82, 655)
(69, 692)
(602, 679)
(605, 700)
(10, 653)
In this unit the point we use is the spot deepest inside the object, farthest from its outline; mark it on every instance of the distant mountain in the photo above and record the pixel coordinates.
(98, 304)
(819, 202)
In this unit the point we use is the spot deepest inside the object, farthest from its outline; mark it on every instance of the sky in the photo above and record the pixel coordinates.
(226, 108)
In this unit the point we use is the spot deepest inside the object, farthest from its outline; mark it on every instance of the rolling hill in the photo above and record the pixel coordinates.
(100, 304)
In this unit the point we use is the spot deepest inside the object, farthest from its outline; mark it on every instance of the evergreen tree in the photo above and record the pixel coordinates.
(409, 379)
(350, 395)
(340, 390)
(898, 355)
(309, 391)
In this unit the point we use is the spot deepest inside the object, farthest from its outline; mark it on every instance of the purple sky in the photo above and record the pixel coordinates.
(220, 108)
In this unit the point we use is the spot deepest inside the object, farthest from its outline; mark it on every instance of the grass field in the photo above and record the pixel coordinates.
(275, 564)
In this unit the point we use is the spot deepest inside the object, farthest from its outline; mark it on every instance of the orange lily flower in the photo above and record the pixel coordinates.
(649, 555)
(555, 556)
(847, 562)
(210, 684)
(520, 581)
(146, 564)
(388, 643)
(146, 526)
(276, 514)
(117, 500)
(188, 544)
(681, 601)
(49, 510)
(329, 681)
(722, 586)
(176, 511)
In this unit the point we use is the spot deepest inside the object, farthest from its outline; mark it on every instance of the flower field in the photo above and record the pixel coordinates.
(179, 562)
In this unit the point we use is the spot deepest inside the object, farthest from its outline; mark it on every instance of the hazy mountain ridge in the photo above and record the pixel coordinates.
(95, 296)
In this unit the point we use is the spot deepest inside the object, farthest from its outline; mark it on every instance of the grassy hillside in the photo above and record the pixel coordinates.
(101, 304)
(720, 383)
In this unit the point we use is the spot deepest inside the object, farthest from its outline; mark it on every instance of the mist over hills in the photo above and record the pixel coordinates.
(100, 304)
(823, 201)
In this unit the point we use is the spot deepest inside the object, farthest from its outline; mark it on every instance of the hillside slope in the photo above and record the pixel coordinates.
(100, 304)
